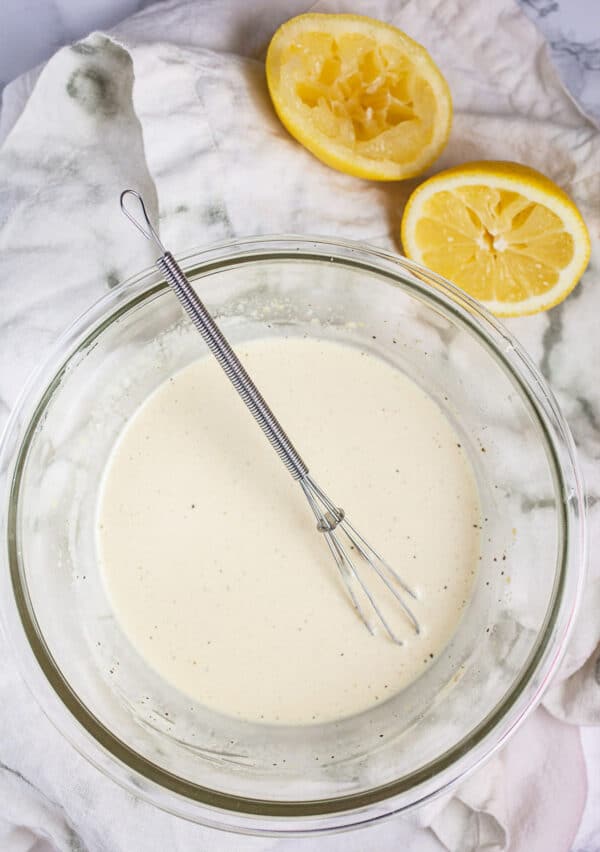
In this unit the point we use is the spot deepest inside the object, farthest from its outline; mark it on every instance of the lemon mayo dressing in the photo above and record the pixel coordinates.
(210, 554)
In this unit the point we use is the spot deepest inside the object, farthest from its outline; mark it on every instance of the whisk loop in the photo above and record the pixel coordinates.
(146, 227)
(341, 537)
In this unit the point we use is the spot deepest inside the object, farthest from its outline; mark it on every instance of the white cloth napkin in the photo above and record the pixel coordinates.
(174, 103)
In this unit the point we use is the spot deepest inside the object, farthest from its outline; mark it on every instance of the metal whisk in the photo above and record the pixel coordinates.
(331, 520)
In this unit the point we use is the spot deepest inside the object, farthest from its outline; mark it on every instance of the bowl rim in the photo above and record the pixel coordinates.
(214, 808)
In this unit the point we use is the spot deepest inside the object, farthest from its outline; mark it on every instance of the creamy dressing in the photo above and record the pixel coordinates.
(210, 554)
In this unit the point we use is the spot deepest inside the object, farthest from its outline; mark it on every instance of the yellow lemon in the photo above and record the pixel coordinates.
(360, 94)
(502, 231)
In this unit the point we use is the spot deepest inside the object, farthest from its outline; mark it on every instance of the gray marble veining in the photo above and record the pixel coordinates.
(572, 30)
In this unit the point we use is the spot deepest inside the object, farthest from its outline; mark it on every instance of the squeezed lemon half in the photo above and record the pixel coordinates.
(503, 232)
(359, 94)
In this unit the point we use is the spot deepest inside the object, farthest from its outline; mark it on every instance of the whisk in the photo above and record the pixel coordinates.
(331, 519)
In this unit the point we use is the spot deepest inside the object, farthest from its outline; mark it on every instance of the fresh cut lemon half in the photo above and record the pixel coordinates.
(502, 231)
(361, 95)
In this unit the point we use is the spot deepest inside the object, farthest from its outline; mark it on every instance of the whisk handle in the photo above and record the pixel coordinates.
(231, 364)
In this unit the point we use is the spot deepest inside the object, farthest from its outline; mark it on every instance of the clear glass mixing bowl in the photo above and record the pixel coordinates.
(253, 777)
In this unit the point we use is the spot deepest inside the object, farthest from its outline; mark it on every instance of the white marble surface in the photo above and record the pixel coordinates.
(572, 30)
(32, 30)
(508, 105)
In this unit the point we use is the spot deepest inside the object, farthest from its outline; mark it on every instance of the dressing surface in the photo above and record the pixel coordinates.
(210, 553)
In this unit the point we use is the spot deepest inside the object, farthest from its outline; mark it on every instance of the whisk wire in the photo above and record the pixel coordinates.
(371, 555)
(346, 579)
(330, 518)
(356, 574)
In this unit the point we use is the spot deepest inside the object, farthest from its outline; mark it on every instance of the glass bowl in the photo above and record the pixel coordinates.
(251, 777)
